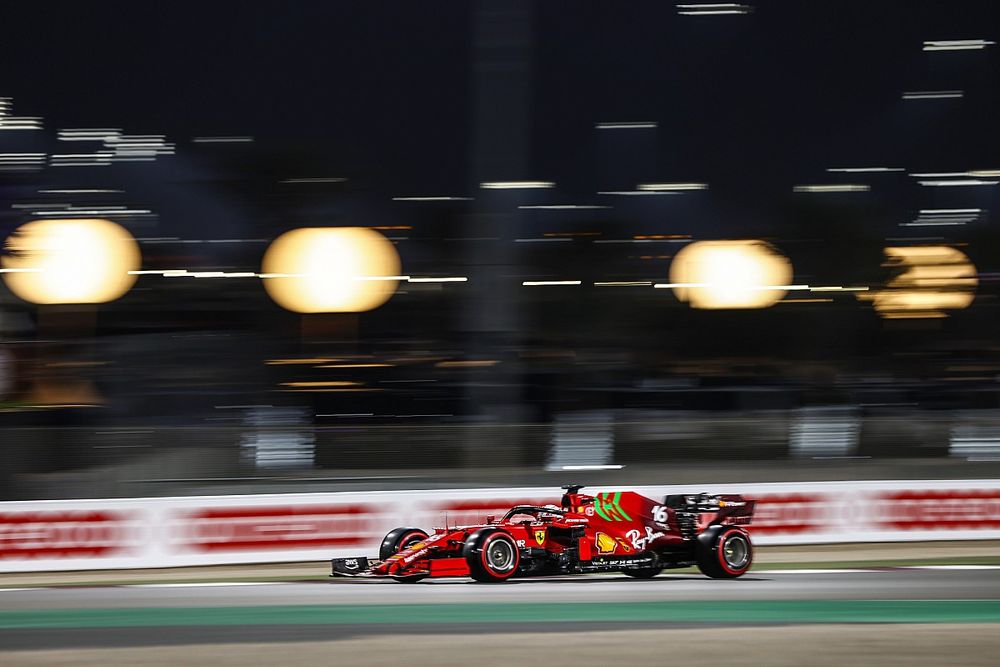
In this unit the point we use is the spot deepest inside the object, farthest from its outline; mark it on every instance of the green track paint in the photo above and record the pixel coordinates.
(714, 612)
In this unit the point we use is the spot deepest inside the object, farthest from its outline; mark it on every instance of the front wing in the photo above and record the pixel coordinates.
(362, 566)
(352, 567)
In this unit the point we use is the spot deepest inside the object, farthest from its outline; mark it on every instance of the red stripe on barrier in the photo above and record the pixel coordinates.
(65, 534)
(937, 510)
(789, 514)
(276, 528)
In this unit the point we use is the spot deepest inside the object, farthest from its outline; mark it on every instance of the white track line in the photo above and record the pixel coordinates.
(952, 567)
(35, 588)
(813, 571)
(207, 584)
(882, 568)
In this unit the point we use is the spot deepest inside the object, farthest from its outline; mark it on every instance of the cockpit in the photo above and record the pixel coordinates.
(533, 513)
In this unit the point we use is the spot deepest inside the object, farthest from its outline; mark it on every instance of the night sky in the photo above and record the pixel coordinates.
(752, 104)
(385, 94)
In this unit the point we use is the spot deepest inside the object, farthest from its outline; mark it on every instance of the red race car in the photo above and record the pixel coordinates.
(610, 532)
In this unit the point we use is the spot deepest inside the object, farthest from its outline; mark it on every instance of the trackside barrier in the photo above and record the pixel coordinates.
(171, 532)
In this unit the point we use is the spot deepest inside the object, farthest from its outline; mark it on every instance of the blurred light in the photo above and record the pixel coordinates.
(539, 283)
(628, 193)
(713, 9)
(82, 191)
(91, 134)
(184, 273)
(16, 122)
(139, 147)
(330, 390)
(933, 278)
(550, 238)
(927, 211)
(315, 180)
(471, 363)
(625, 283)
(106, 210)
(432, 199)
(637, 125)
(516, 185)
(21, 161)
(222, 140)
(845, 187)
(956, 44)
(836, 288)
(674, 240)
(448, 279)
(933, 223)
(356, 366)
(932, 94)
(96, 159)
(319, 269)
(861, 170)
(669, 187)
(953, 174)
(958, 182)
(564, 207)
(322, 383)
(70, 261)
(20, 123)
(730, 274)
(306, 361)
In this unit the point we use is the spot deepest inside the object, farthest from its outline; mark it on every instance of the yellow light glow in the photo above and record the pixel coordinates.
(933, 279)
(70, 261)
(730, 274)
(331, 269)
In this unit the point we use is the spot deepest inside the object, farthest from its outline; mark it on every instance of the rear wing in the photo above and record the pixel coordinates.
(731, 509)
(736, 510)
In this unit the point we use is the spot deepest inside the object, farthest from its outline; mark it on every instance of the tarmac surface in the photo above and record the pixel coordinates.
(813, 645)
(918, 583)
(942, 613)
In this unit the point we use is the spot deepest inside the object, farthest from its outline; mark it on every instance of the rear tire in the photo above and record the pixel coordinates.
(724, 553)
(492, 555)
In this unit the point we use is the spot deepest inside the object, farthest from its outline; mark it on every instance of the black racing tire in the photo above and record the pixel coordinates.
(643, 572)
(397, 539)
(394, 541)
(724, 552)
(492, 555)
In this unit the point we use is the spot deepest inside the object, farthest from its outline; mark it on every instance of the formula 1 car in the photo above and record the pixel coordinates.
(610, 532)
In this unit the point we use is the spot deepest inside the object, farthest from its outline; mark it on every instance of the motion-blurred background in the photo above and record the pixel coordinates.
(640, 242)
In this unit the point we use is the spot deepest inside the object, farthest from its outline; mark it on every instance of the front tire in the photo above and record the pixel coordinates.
(724, 553)
(395, 541)
(492, 555)
(398, 539)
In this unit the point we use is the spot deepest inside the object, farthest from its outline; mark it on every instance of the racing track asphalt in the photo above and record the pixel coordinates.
(280, 612)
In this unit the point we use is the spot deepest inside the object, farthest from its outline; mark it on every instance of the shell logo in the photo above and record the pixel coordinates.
(605, 543)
